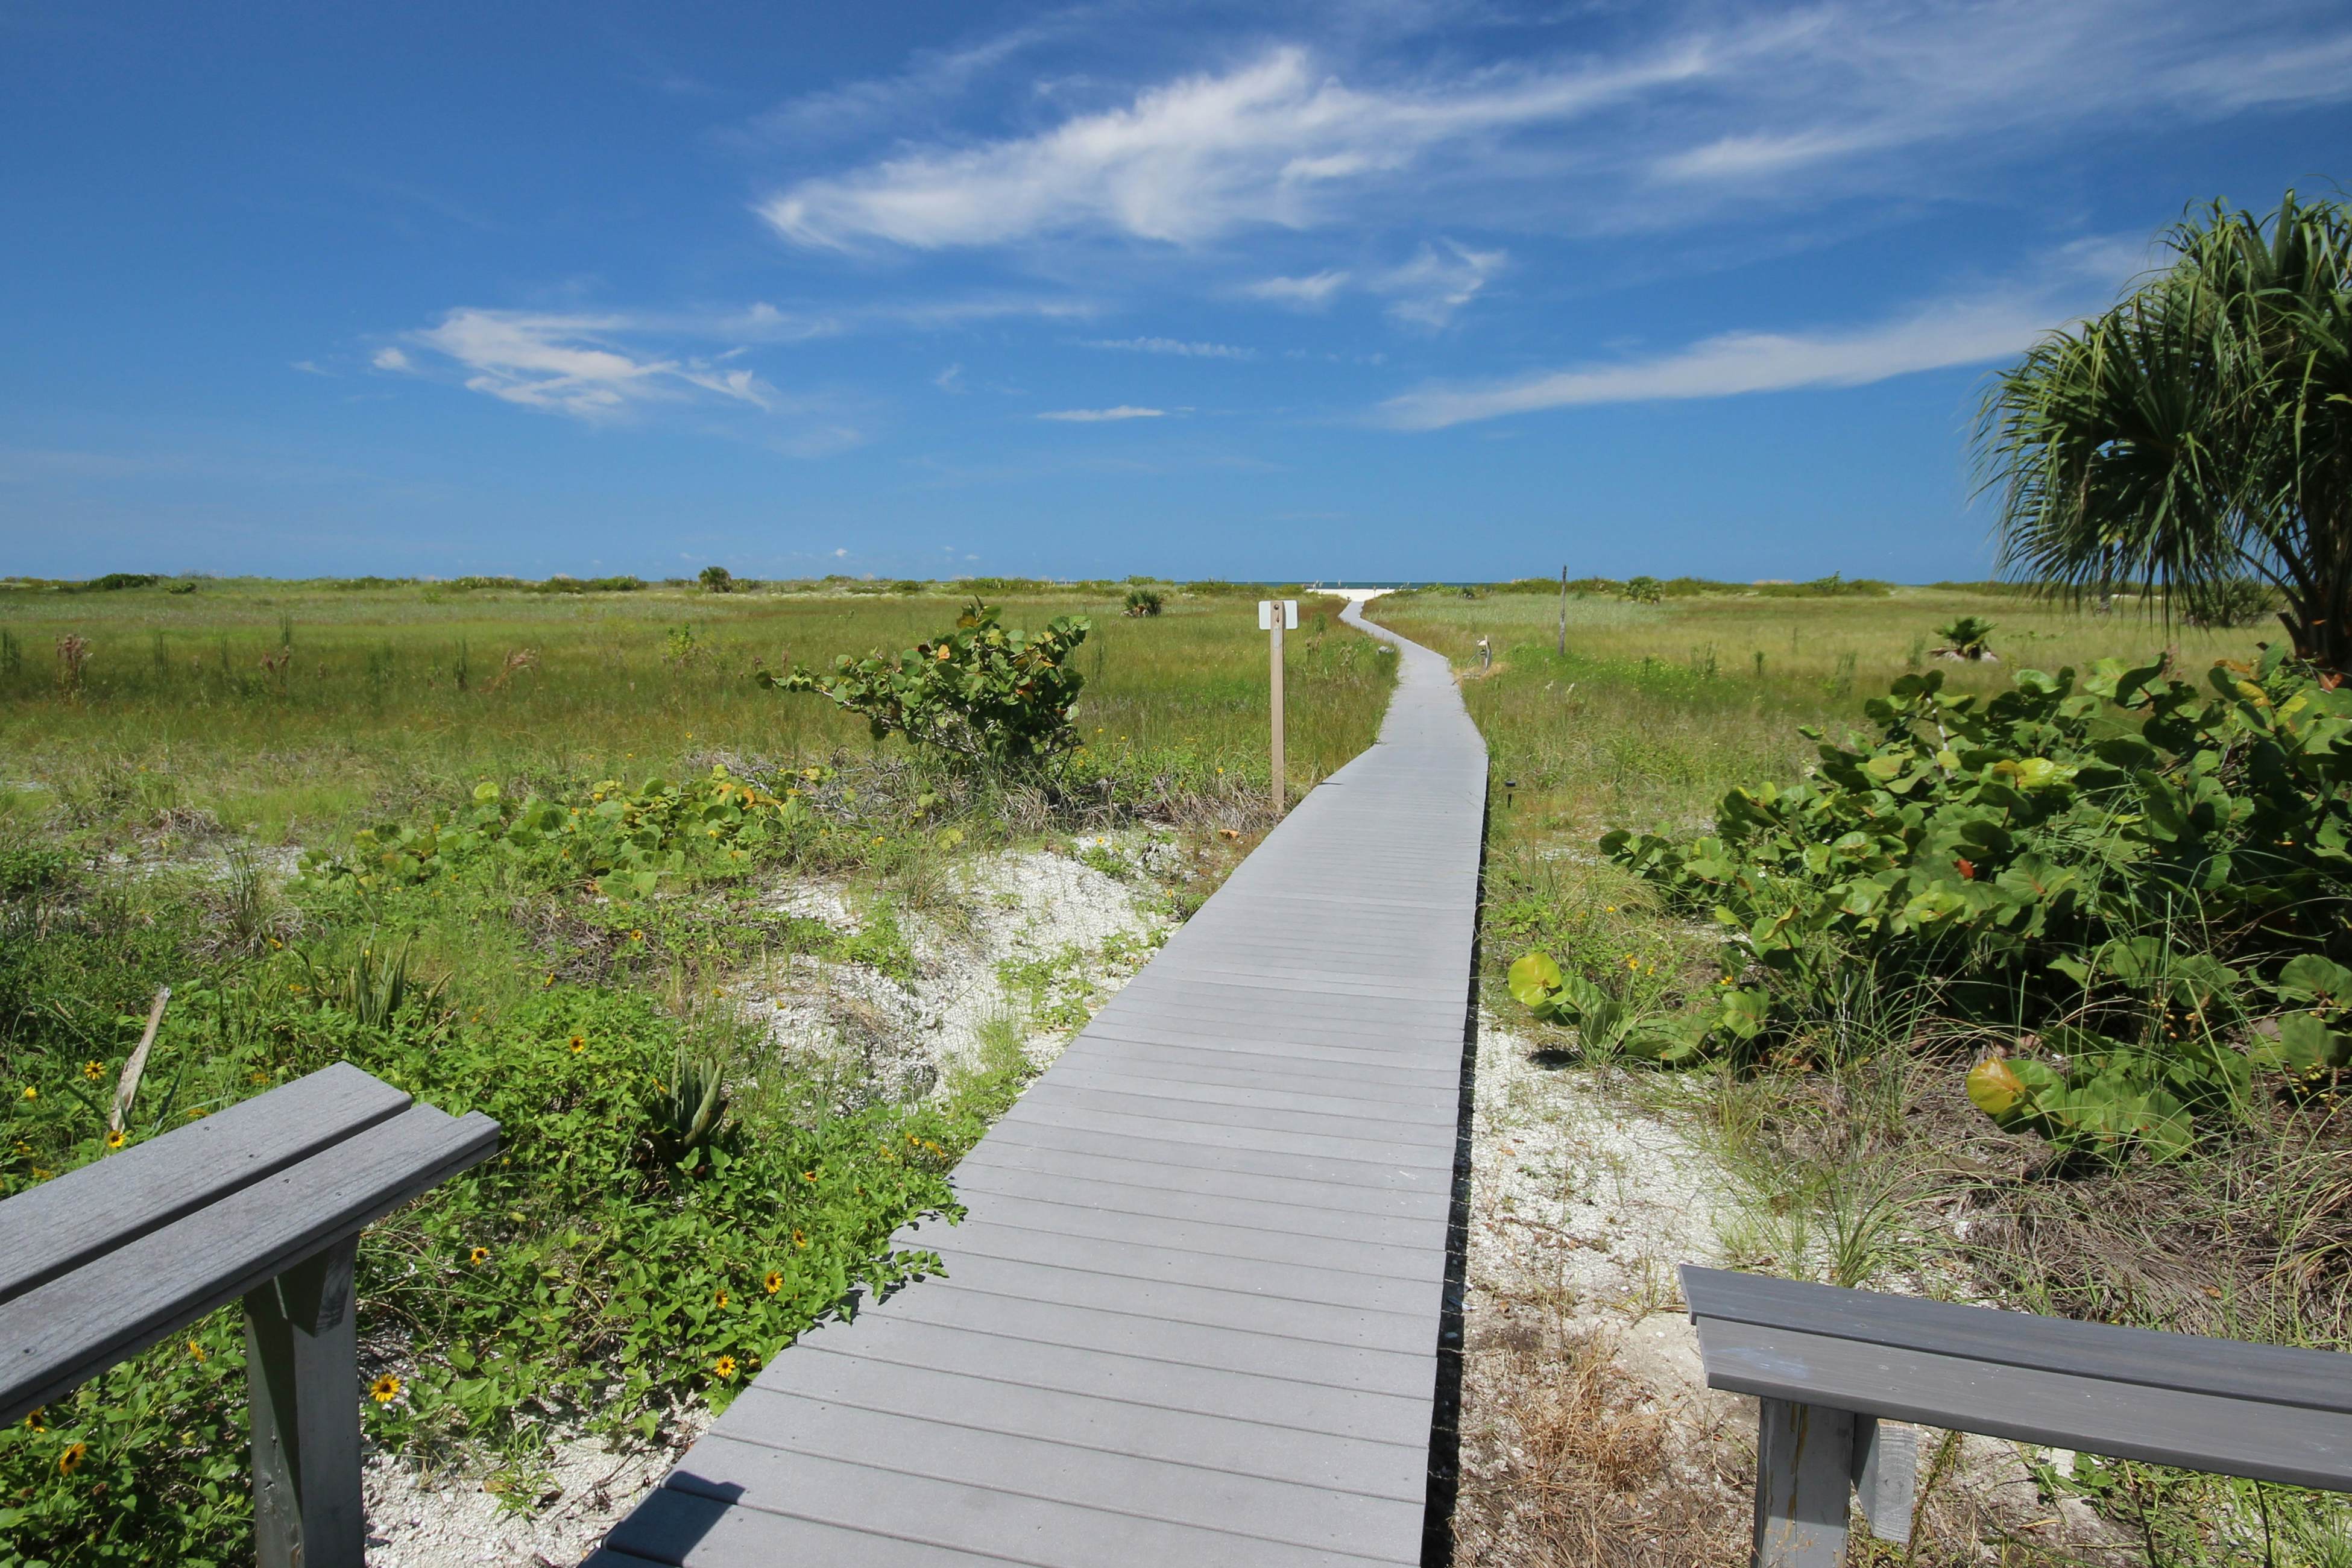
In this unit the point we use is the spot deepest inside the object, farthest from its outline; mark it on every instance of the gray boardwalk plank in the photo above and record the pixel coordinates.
(1228, 1501)
(1131, 1195)
(1254, 1352)
(1209, 1086)
(1215, 1237)
(1195, 1304)
(1090, 1158)
(1192, 1315)
(1155, 1423)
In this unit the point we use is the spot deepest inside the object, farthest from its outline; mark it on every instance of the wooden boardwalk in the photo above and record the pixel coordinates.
(1193, 1314)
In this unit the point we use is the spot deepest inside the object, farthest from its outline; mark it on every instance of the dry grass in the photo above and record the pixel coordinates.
(1574, 1463)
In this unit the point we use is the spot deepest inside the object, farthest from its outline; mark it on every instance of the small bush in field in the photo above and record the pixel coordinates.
(984, 693)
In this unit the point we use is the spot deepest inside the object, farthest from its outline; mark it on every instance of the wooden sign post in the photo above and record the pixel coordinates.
(1276, 615)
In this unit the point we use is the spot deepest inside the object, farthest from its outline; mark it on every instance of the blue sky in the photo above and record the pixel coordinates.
(1375, 289)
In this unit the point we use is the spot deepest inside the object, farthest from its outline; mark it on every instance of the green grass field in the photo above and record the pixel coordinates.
(293, 711)
(163, 756)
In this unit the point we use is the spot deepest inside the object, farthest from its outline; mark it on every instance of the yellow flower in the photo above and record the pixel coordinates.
(636, 936)
(34, 1423)
(478, 1256)
(197, 1351)
(115, 1140)
(70, 1461)
(92, 1070)
(385, 1389)
(773, 1282)
(31, 1093)
(808, 1176)
(799, 1241)
(721, 1299)
(725, 1367)
(579, 1044)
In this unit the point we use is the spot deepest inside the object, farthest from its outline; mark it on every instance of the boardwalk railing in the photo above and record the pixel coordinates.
(1829, 1365)
(264, 1201)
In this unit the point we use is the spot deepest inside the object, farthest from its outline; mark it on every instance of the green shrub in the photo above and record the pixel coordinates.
(2138, 868)
(621, 841)
(1145, 602)
(983, 692)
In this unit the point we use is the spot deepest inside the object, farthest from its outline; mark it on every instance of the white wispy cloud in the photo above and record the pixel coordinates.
(573, 365)
(1311, 292)
(1176, 346)
(1263, 143)
(949, 379)
(1684, 116)
(1938, 337)
(1097, 416)
(930, 78)
(390, 359)
(1437, 282)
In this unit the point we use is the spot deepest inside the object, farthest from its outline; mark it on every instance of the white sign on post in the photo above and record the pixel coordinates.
(1267, 608)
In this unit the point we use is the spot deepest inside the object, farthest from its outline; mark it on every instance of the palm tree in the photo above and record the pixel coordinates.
(2197, 434)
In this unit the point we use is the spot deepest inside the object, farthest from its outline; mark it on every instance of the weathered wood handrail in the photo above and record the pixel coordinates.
(264, 1201)
(1830, 1365)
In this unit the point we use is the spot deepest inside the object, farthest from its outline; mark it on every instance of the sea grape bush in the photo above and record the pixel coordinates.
(984, 693)
(621, 841)
(2136, 868)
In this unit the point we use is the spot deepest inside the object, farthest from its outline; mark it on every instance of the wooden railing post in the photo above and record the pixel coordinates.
(1804, 1480)
(303, 1368)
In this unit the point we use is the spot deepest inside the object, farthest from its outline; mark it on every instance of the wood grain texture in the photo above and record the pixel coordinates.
(59, 1334)
(1193, 1316)
(62, 1224)
(2277, 1375)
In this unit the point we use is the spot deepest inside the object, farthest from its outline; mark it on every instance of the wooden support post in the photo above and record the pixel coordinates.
(1887, 1476)
(1804, 1480)
(303, 1369)
(1281, 789)
(1560, 646)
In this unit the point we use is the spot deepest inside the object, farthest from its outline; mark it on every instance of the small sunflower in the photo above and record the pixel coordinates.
(799, 1241)
(92, 1070)
(197, 1351)
(478, 1256)
(725, 1367)
(719, 1300)
(385, 1389)
(34, 1422)
(116, 1139)
(70, 1461)
(579, 1044)
(773, 1282)
(31, 1093)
